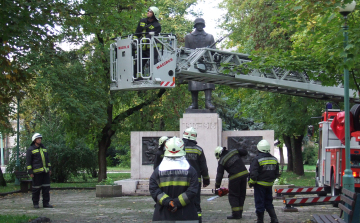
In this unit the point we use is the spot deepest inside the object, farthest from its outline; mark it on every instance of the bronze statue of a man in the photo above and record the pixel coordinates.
(199, 39)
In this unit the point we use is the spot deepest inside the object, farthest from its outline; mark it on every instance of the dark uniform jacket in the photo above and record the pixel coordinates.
(196, 158)
(264, 169)
(37, 159)
(145, 26)
(159, 155)
(180, 186)
(231, 161)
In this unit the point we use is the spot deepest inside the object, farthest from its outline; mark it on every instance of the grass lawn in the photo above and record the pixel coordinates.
(308, 180)
(15, 218)
(75, 182)
(117, 169)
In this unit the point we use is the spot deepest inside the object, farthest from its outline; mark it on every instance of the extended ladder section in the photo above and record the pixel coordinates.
(222, 67)
(132, 69)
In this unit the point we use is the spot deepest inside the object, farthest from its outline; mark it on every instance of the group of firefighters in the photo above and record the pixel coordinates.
(180, 164)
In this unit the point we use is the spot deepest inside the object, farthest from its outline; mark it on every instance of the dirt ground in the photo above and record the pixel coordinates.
(84, 206)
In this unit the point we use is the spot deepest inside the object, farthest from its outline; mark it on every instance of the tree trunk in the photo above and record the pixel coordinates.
(282, 161)
(2, 180)
(107, 132)
(297, 155)
(104, 144)
(287, 141)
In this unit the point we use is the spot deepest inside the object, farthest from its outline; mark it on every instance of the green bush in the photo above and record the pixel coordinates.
(107, 181)
(124, 157)
(310, 154)
(11, 167)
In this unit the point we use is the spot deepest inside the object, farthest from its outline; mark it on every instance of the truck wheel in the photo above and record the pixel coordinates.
(334, 191)
(355, 111)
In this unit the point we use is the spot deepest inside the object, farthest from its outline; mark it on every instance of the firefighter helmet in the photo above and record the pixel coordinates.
(155, 11)
(36, 136)
(199, 20)
(190, 133)
(218, 152)
(174, 147)
(263, 146)
(162, 140)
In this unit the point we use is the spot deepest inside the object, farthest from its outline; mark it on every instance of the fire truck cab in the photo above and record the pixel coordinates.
(331, 162)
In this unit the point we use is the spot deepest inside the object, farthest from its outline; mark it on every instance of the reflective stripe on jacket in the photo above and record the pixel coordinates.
(264, 169)
(37, 159)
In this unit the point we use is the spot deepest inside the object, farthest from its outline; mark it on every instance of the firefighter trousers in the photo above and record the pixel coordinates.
(237, 193)
(197, 200)
(41, 182)
(263, 198)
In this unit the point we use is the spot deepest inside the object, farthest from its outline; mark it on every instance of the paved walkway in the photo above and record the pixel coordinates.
(84, 206)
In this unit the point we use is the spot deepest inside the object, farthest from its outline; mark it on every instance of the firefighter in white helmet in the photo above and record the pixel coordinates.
(38, 166)
(173, 185)
(231, 161)
(159, 154)
(196, 157)
(264, 169)
(145, 26)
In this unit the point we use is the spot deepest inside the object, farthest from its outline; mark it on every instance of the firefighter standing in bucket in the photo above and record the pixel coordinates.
(231, 161)
(264, 169)
(38, 166)
(174, 185)
(159, 155)
(147, 25)
(196, 157)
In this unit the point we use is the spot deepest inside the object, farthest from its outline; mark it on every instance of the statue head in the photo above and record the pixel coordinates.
(199, 24)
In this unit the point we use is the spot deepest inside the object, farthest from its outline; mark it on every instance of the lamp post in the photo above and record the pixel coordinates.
(348, 178)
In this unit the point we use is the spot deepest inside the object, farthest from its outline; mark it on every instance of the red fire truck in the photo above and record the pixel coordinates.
(331, 158)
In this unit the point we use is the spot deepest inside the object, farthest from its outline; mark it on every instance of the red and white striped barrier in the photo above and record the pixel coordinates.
(311, 201)
(303, 190)
(167, 84)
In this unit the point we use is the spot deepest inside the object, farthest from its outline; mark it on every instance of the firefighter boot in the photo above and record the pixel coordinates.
(273, 216)
(199, 217)
(260, 217)
(235, 215)
(208, 104)
(194, 97)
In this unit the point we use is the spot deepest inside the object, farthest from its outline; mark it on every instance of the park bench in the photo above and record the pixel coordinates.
(347, 197)
(25, 181)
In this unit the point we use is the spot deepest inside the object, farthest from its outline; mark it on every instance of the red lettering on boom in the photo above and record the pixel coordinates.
(163, 64)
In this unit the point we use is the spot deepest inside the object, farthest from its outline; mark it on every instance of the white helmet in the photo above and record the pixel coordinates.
(263, 146)
(174, 147)
(156, 11)
(36, 136)
(162, 140)
(190, 133)
(218, 152)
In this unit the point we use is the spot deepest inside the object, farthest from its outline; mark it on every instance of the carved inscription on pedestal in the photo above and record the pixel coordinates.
(206, 125)
(149, 147)
(245, 142)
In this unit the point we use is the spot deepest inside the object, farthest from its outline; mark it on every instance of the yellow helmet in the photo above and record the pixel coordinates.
(218, 152)
(190, 133)
(263, 146)
(174, 147)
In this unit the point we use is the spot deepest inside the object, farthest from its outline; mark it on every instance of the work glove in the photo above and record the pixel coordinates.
(172, 206)
(206, 182)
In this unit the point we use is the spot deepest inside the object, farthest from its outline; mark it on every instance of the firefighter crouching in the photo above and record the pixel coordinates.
(264, 169)
(230, 160)
(196, 157)
(38, 166)
(173, 185)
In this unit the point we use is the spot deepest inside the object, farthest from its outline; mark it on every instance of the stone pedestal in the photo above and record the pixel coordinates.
(209, 129)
